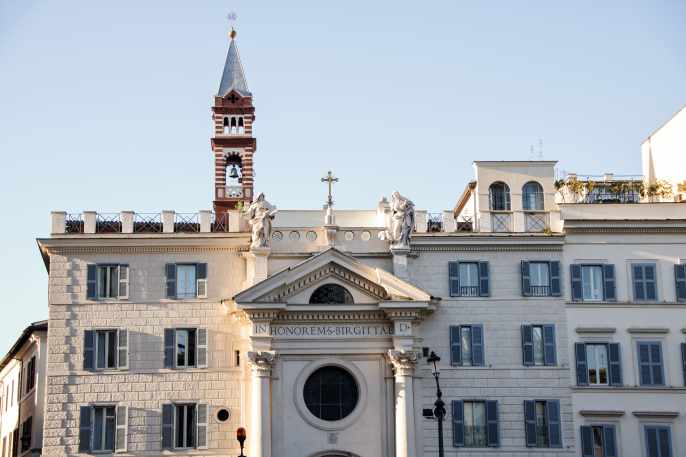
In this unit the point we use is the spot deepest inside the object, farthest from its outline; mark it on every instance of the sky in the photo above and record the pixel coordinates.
(106, 105)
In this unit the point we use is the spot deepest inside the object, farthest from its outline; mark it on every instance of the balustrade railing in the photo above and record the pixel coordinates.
(220, 223)
(540, 291)
(73, 223)
(434, 222)
(464, 224)
(469, 291)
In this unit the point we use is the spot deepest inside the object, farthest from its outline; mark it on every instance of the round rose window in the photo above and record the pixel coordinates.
(331, 393)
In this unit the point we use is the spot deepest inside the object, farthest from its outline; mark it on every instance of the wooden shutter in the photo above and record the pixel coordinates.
(455, 348)
(680, 278)
(577, 289)
(167, 426)
(85, 427)
(89, 350)
(637, 282)
(683, 360)
(554, 424)
(586, 441)
(549, 348)
(169, 347)
(484, 286)
(92, 282)
(202, 416)
(609, 440)
(581, 364)
(555, 282)
(530, 423)
(123, 349)
(526, 283)
(477, 345)
(201, 280)
(458, 423)
(123, 292)
(527, 345)
(644, 369)
(657, 364)
(650, 276)
(454, 278)
(492, 432)
(615, 364)
(121, 440)
(170, 273)
(609, 292)
(201, 347)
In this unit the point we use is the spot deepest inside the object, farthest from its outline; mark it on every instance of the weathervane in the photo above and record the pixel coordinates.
(329, 179)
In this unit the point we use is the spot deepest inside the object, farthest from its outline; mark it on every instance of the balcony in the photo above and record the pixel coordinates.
(540, 291)
(501, 222)
(469, 291)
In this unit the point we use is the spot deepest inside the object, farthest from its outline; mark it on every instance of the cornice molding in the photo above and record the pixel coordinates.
(330, 316)
(601, 413)
(142, 249)
(488, 248)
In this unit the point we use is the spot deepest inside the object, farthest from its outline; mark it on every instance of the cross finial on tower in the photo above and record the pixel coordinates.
(329, 179)
(232, 20)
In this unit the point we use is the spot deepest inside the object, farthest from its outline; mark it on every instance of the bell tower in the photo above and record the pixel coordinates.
(233, 144)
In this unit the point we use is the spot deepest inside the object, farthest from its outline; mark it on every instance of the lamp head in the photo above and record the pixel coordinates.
(241, 435)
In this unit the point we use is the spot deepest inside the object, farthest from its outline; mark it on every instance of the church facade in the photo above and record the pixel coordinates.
(312, 329)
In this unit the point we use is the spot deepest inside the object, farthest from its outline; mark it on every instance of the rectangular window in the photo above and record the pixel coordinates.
(542, 437)
(105, 349)
(598, 367)
(592, 282)
(104, 427)
(650, 363)
(185, 348)
(469, 279)
(108, 281)
(644, 281)
(26, 432)
(467, 345)
(185, 281)
(539, 347)
(30, 375)
(185, 426)
(598, 441)
(475, 424)
(658, 439)
(539, 278)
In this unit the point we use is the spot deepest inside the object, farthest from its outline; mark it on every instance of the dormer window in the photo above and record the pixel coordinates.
(532, 196)
(499, 196)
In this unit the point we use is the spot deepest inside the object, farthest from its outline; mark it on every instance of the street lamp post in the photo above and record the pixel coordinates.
(240, 436)
(439, 410)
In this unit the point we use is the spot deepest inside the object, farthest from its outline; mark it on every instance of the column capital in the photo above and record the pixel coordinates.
(403, 362)
(261, 362)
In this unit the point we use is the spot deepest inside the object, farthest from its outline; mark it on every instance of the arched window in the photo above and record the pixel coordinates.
(226, 125)
(532, 196)
(499, 196)
(331, 293)
(234, 129)
(241, 127)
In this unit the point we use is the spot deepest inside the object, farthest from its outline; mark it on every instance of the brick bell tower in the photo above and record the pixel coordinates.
(233, 144)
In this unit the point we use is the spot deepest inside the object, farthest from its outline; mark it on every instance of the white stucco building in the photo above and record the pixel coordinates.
(168, 331)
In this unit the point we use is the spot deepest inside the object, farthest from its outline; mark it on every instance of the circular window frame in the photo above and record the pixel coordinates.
(299, 397)
(216, 414)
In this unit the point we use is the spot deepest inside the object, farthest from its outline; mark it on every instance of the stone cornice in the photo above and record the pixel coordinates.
(657, 414)
(331, 316)
(600, 413)
(144, 244)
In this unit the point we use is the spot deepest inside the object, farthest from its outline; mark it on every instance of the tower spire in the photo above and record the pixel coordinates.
(233, 76)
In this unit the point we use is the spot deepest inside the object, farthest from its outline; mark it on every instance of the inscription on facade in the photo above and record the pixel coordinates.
(331, 330)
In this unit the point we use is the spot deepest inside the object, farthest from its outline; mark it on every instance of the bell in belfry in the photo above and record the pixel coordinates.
(233, 174)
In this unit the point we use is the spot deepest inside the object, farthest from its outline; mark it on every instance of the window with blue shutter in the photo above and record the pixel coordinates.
(581, 366)
(609, 290)
(170, 274)
(554, 423)
(650, 363)
(92, 282)
(598, 441)
(643, 276)
(89, 350)
(542, 425)
(454, 278)
(680, 279)
(658, 441)
(527, 345)
(598, 364)
(550, 351)
(467, 345)
(492, 427)
(683, 360)
(167, 426)
(555, 281)
(530, 423)
(484, 283)
(85, 425)
(577, 285)
(526, 284)
(540, 279)
(458, 423)
(615, 362)
(538, 345)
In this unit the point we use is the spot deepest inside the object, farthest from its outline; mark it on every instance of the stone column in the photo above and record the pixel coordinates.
(260, 433)
(403, 365)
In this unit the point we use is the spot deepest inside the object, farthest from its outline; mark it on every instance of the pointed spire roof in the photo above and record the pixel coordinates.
(233, 77)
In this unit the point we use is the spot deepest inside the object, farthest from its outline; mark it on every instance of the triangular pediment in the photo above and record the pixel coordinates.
(372, 284)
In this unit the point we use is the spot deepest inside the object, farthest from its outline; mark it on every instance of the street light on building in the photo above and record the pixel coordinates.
(240, 436)
(439, 410)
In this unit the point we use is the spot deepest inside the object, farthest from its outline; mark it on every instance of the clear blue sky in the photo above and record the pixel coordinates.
(105, 105)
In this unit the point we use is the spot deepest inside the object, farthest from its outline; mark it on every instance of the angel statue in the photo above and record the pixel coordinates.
(261, 213)
(402, 221)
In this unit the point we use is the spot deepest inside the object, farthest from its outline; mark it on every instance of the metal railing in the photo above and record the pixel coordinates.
(434, 222)
(147, 223)
(540, 291)
(186, 223)
(464, 224)
(536, 222)
(469, 291)
(107, 223)
(501, 222)
(73, 223)
(220, 223)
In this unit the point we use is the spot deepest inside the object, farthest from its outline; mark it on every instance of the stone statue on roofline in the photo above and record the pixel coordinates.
(261, 213)
(402, 222)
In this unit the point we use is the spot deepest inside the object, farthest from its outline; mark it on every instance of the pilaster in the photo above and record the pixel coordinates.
(257, 265)
(403, 363)
(261, 371)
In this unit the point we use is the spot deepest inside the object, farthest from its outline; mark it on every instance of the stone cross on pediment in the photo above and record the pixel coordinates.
(330, 179)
